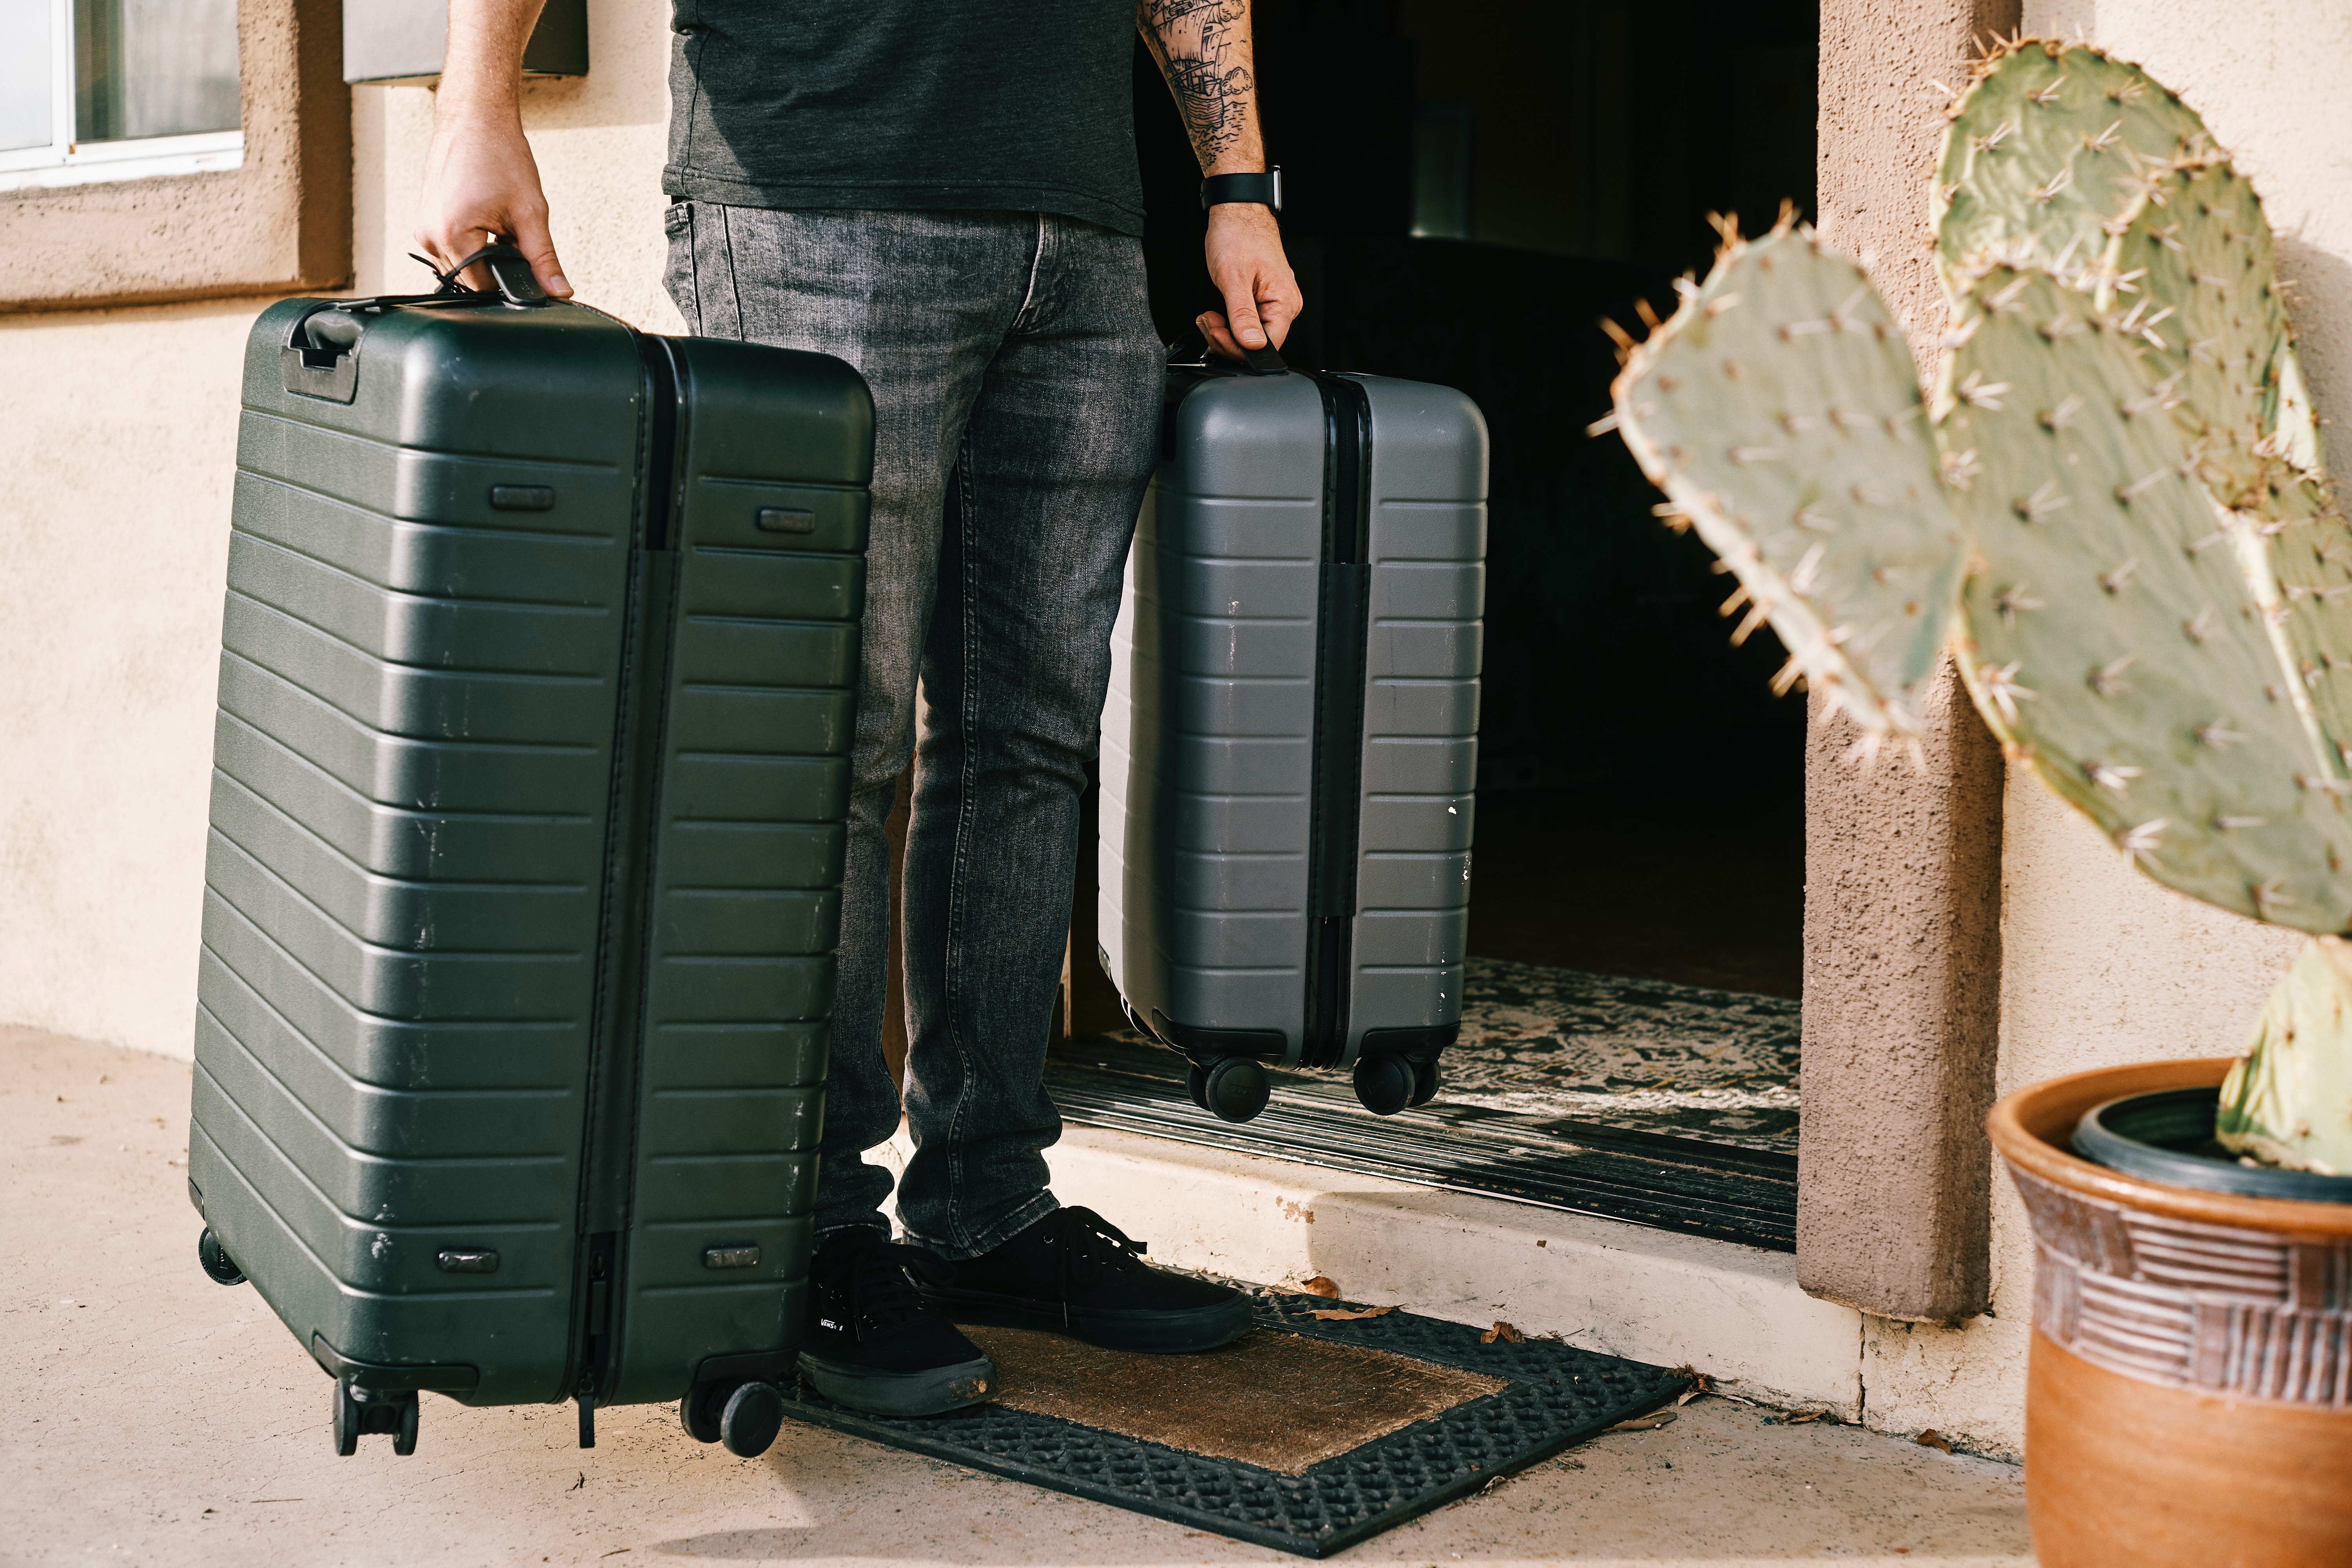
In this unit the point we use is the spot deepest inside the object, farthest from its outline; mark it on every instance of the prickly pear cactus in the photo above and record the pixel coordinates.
(2115, 638)
(2289, 1099)
(2190, 272)
(1779, 411)
(2044, 148)
(2157, 612)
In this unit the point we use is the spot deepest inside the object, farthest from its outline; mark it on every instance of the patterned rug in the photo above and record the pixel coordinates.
(1649, 1055)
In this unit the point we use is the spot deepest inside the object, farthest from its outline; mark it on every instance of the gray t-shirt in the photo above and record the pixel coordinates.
(906, 104)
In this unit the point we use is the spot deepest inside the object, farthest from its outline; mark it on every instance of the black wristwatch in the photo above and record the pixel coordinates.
(1264, 189)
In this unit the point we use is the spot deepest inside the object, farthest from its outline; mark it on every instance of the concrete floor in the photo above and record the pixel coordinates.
(150, 1416)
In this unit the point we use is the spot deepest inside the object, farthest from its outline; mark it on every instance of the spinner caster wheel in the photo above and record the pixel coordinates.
(1196, 1083)
(1384, 1085)
(1424, 1083)
(356, 1414)
(217, 1262)
(754, 1416)
(1235, 1089)
(701, 1410)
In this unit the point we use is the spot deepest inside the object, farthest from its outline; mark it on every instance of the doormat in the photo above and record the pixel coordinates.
(1308, 1435)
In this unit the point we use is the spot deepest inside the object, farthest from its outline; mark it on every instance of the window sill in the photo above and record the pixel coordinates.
(147, 159)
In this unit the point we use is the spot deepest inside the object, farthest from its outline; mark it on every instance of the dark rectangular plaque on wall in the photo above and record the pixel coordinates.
(403, 40)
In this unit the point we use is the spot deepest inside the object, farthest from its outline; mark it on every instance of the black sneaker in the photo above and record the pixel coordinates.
(1075, 1272)
(875, 1344)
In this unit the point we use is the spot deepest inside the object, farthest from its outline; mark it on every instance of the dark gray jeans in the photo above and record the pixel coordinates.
(1016, 386)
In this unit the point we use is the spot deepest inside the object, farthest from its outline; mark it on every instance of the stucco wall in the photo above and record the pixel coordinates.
(117, 434)
(2099, 966)
(118, 439)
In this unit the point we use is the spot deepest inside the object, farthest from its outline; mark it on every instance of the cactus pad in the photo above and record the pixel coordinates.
(2189, 268)
(2289, 1101)
(1781, 411)
(2116, 638)
(2046, 147)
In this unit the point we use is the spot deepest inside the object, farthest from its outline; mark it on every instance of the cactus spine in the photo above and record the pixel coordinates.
(2118, 475)
(1781, 415)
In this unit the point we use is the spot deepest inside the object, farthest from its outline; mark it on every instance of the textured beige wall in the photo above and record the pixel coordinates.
(117, 438)
(118, 433)
(1902, 867)
(2101, 966)
(281, 220)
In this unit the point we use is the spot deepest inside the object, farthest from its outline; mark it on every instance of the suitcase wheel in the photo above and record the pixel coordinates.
(754, 1416)
(360, 1410)
(1234, 1089)
(1424, 1083)
(1385, 1085)
(216, 1261)
(700, 1411)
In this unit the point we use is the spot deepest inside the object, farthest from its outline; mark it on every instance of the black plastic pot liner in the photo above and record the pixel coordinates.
(1554, 1397)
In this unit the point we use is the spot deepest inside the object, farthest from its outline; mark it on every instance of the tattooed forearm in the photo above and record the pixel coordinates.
(1203, 50)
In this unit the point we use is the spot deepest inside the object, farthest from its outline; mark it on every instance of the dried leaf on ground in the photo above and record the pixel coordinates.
(1343, 1314)
(1808, 1415)
(1321, 1285)
(1699, 1386)
(1649, 1423)
(1931, 1438)
(1504, 1332)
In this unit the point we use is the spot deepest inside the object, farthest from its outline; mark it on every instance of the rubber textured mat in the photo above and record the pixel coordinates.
(1552, 1396)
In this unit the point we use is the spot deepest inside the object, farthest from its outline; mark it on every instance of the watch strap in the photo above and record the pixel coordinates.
(1264, 189)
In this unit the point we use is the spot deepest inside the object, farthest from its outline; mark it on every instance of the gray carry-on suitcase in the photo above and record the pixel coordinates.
(522, 895)
(1290, 743)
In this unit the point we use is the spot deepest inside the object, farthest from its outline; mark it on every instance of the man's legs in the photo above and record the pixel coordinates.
(1016, 353)
(918, 302)
(1048, 480)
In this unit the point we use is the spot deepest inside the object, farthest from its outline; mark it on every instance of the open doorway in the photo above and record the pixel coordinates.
(1472, 185)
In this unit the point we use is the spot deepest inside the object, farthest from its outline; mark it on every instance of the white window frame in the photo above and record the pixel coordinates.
(65, 161)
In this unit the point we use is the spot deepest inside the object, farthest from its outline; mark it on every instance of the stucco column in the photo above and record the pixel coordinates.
(1902, 867)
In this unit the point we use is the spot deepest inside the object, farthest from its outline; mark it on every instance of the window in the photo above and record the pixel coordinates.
(116, 90)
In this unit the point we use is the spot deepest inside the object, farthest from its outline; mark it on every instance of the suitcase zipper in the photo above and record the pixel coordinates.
(608, 1145)
(1336, 792)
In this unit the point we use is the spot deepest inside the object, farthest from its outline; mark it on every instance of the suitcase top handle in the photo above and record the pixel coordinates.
(1193, 349)
(320, 358)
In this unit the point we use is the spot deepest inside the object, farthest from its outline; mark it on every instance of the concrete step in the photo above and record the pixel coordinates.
(1733, 1312)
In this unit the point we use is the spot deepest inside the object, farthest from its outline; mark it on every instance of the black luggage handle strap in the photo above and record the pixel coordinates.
(1193, 349)
(511, 274)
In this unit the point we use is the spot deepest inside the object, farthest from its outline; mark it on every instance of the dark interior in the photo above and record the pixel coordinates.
(1471, 186)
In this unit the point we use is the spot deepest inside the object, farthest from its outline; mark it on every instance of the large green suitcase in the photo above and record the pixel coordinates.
(537, 693)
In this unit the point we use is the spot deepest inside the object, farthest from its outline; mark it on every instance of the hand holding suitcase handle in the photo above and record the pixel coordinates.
(1192, 348)
(321, 354)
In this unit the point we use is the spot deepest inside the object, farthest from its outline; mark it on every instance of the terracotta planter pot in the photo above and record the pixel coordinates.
(2188, 1398)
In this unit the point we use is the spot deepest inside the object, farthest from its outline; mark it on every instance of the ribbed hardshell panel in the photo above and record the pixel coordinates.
(412, 764)
(1428, 553)
(1207, 746)
(745, 889)
(1208, 735)
(451, 1003)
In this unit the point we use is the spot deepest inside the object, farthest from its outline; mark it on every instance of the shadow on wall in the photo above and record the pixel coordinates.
(2309, 274)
